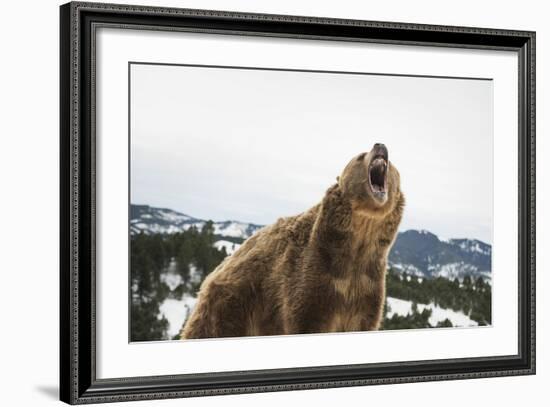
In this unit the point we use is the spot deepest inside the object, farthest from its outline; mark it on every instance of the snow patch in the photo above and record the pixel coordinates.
(170, 216)
(230, 247)
(176, 312)
(172, 280)
(472, 246)
(404, 307)
(451, 271)
(408, 269)
(233, 229)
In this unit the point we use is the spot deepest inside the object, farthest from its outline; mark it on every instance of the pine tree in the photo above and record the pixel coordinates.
(147, 259)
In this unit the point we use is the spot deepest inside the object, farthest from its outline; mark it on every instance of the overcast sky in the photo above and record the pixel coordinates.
(256, 145)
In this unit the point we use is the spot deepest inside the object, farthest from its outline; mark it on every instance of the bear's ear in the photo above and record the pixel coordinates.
(338, 179)
(361, 156)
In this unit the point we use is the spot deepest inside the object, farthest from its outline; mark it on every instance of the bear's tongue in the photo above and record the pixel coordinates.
(377, 175)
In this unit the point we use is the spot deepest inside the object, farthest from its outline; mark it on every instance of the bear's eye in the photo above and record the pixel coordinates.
(361, 157)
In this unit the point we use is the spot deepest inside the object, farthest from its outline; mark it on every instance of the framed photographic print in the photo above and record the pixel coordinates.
(257, 203)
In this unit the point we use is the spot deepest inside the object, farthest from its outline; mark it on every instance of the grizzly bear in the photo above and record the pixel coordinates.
(321, 271)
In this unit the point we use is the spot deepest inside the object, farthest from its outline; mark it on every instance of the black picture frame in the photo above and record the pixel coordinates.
(78, 382)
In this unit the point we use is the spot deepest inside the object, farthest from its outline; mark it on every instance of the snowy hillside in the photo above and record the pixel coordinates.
(422, 253)
(150, 220)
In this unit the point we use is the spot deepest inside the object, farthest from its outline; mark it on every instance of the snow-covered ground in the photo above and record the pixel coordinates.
(176, 312)
(404, 307)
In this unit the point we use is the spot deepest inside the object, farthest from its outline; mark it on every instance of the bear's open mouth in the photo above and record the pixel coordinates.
(378, 170)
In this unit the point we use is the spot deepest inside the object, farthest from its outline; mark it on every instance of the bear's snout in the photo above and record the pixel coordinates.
(380, 150)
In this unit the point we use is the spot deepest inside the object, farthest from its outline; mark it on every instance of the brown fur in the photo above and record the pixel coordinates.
(320, 271)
